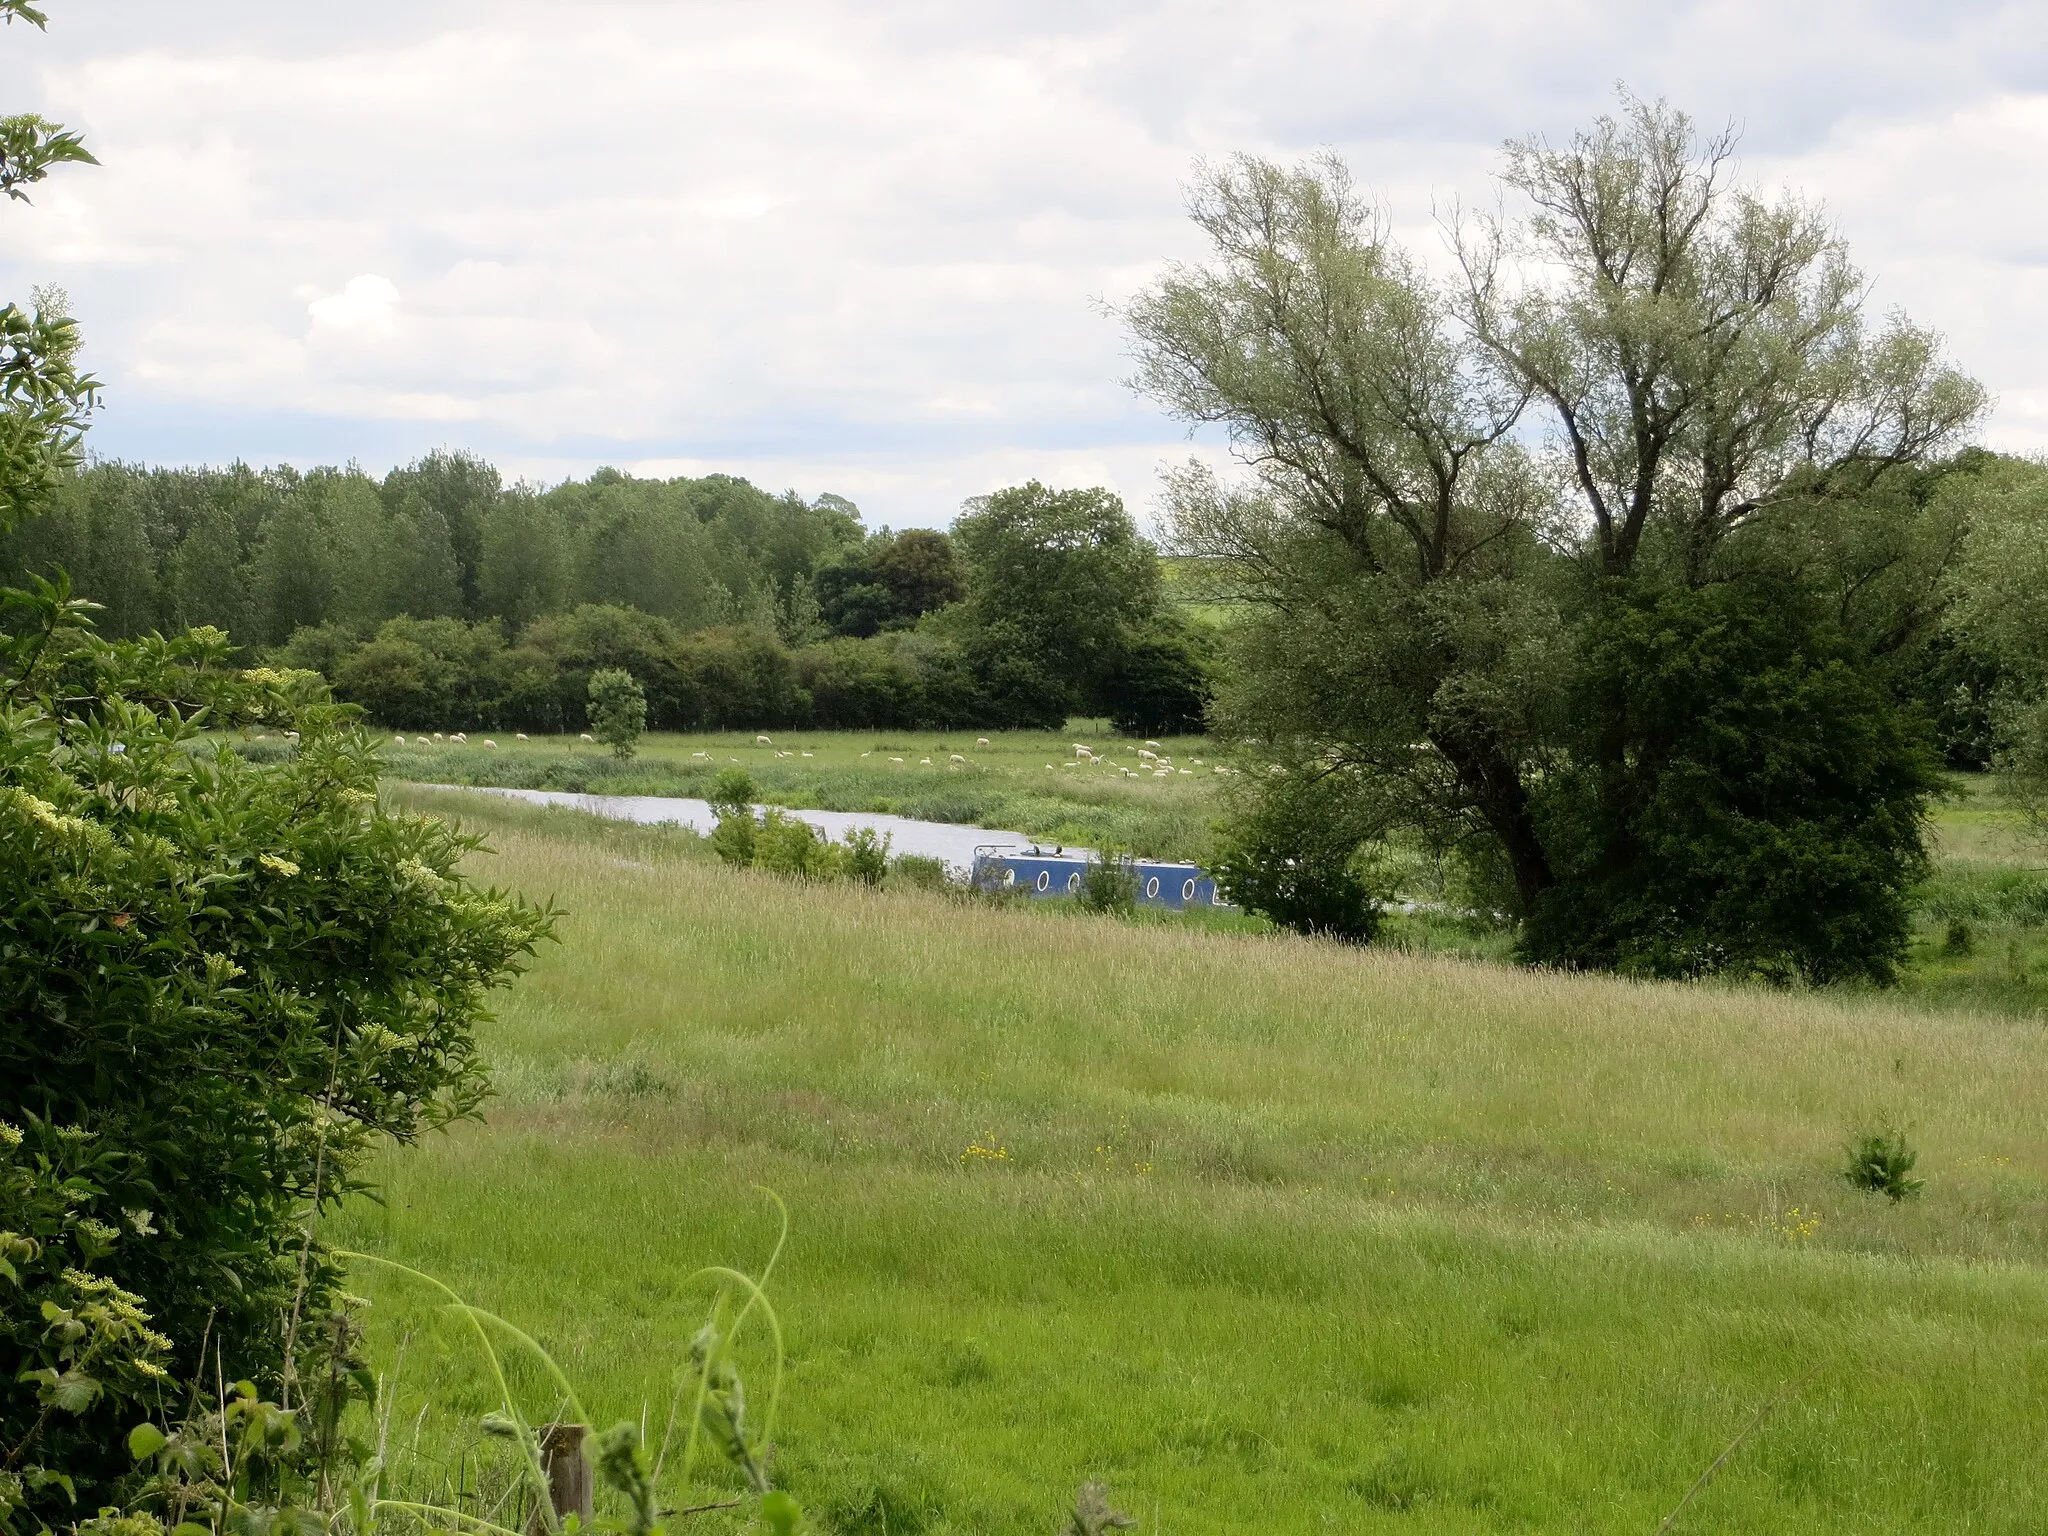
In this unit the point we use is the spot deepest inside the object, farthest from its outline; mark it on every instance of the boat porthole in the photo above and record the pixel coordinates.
(1073, 882)
(1044, 879)
(1152, 887)
(1187, 890)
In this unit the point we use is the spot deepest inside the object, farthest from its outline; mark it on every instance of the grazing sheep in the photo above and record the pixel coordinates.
(1150, 743)
(1143, 753)
(586, 736)
(763, 741)
(459, 737)
(519, 736)
(437, 735)
(810, 754)
(705, 755)
(924, 762)
(981, 741)
(490, 743)
(397, 741)
(895, 759)
(956, 758)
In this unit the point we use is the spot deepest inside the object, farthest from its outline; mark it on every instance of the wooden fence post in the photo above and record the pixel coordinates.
(570, 1488)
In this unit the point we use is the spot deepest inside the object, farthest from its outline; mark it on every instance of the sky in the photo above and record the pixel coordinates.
(874, 247)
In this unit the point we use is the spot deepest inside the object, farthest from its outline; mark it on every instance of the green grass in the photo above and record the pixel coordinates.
(1980, 934)
(1267, 1233)
(1023, 781)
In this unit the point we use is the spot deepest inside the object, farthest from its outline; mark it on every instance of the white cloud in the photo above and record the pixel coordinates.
(367, 306)
(858, 244)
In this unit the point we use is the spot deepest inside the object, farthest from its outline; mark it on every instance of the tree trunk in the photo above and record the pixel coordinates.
(1495, 787)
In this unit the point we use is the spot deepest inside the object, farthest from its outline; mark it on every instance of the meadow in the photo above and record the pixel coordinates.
(1266, 1233)
(1022, 781)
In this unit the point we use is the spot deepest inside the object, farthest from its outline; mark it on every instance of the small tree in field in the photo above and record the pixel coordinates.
(618, 710)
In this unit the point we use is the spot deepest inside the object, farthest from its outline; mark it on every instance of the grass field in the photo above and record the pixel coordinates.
(1268, 1234)
(1023, 781)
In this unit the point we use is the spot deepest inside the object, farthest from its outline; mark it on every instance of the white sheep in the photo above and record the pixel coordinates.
(1143, 753)
(763, 741)
(810, 754)
(519, 736)
(397, 741)
(924, 762)
(437, 735)
(490, 743)
(705, 755)
(956, 758)
(586, 736)
(981, 741)
(458, 736)
(895, 759)
(1150, 742)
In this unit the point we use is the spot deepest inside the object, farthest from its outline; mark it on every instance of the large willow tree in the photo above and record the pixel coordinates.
(1565, 562)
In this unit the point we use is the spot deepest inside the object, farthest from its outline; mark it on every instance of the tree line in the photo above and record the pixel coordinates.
(440, 597)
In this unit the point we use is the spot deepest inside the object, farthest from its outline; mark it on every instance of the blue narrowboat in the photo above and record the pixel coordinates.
(1039, 873)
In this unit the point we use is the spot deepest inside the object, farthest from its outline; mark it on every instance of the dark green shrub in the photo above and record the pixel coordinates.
(1882, 1163)
(1157, 685)
(1294, 850)
(223, 985)
(1762, 814)
(1107, 884)
(1961, 938)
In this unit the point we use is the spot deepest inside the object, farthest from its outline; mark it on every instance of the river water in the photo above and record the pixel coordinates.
(944, 840)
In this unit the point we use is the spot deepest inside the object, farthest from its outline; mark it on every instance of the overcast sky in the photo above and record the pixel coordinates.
(862, 245)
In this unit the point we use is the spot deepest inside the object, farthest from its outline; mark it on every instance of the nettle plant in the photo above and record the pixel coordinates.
(222, 984)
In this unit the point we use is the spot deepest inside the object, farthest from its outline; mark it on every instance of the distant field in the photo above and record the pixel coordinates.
(1024, 781)
(1269, 1234)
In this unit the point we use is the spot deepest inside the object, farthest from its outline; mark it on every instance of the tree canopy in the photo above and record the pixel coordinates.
(1652, 380)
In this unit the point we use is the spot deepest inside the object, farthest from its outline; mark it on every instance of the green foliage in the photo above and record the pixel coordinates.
(1065, 610)
(1107, 884)
(788, 845)
(45, 399)
(224, 985)
(889, 582)
(1882, 1162)
(2000, 613)
(1430, 581)
(1741, 797)
(1159, 683)
(30, 146)
(618, 710)
(1295, 851)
